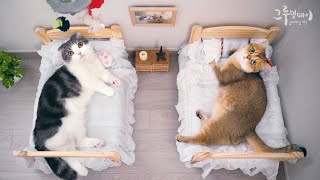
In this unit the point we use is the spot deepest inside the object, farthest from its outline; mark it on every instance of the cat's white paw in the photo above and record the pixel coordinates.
(82, 171)
(109, 91)
(116, 81)
(92, 142)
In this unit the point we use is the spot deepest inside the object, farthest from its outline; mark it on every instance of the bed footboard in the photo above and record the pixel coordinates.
(113, 156)
(247, 155)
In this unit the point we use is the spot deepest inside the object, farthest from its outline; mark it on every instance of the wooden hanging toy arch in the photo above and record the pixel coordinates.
(199, 32)
(46, 36)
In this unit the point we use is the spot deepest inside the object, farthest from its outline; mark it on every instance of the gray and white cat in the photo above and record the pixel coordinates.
(60, 123)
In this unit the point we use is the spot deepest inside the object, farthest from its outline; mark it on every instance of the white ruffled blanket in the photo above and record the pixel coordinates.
(198, 88)
(108, 118)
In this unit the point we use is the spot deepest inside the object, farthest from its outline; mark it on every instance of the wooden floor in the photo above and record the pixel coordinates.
(154, 131)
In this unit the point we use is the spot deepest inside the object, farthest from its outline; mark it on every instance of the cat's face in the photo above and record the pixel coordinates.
(252, 58)
(75, 49)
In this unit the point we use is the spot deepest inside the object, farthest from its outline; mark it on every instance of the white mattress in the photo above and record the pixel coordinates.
(108, 118)
(198, 88)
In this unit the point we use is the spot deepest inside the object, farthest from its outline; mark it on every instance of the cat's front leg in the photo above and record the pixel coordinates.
(104, 89)
(216, 68)
(228, 74)
(116, 81)
(201, 115)
(110, 78)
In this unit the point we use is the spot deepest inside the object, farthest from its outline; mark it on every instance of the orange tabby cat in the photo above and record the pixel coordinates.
(240, 105)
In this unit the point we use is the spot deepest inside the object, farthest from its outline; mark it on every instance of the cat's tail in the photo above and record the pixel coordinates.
(61, 168)
(258, 145)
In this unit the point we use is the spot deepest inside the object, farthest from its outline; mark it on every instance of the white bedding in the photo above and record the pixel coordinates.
(108, 118)
(198, 88)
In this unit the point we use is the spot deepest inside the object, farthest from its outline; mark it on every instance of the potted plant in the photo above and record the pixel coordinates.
(10, 69)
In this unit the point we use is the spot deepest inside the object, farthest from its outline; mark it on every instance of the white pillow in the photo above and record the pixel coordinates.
(212, 49)
(115, 47)
(195, 51)
(230, 44)
(217, 48)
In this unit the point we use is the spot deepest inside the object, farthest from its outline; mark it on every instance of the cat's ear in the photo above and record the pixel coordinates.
(62, 47)
(76, 35)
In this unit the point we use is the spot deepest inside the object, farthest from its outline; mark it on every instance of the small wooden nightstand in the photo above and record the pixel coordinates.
(151, 64)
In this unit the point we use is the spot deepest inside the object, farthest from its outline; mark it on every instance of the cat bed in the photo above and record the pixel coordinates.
(198, 89)
(108, 118)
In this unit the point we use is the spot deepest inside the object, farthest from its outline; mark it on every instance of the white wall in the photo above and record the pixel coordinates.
(297, 56)
(19, 18)
(296, 51)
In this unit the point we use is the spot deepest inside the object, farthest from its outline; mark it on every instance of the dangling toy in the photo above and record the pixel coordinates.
(68, 6)
(94, 4)
(95, 24)
(61, 23)
(74, 6)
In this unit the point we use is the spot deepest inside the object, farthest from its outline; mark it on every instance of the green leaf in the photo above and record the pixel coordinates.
(9, 68)
(8, 82)
(18, 72)
(2, 76)
(3, 67)
(16, 59)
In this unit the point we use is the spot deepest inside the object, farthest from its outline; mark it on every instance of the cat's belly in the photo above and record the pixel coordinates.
(77, 106)
(73, 124)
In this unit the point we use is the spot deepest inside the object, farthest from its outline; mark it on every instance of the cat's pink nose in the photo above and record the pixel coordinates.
(79, 53)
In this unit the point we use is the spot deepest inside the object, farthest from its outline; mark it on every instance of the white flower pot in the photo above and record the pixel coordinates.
(17, 79)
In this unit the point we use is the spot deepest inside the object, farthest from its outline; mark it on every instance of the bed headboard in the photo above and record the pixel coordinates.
(198, 32)
(47, 36)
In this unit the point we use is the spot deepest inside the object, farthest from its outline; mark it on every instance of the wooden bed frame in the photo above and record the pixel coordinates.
(46, 37)
(198, 32)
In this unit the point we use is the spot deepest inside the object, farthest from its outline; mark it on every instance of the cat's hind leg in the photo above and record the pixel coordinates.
(201, 138)
(189, 139)
(83, 141)
(212, 132)
(91, 142)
